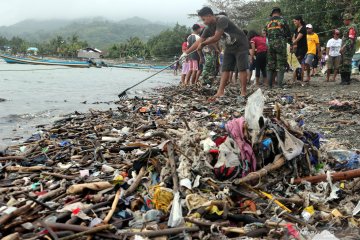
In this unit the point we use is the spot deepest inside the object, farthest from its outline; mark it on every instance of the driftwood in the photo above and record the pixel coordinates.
(164, 232)
(170, 149)
(135, 184)
(51, 194)
(88, 232)
(113, 207)
(255, 176)
(57, 175)
(26, 169)
(9, 158)
(96, 186)
(338, 176)
(13, 236)
(20, 211)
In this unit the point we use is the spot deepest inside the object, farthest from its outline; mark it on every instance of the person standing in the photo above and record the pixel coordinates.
(278, 34)
(194, 57)
(313, 44)
(348, 48)
(210, 59)
(333, 54)
(300, 47)
(185, 63)
(236, 47)
(258, 54)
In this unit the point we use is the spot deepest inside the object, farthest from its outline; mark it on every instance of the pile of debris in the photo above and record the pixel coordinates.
(174, 166)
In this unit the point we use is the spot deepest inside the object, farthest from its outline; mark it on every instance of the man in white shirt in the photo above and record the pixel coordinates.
(194, 58)
(333, 55)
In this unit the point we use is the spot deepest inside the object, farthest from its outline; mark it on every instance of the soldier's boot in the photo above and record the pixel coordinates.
(280, 78)
(348, 78)
(342, 75)
(270, 76)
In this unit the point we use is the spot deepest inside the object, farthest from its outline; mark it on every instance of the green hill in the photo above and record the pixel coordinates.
(98, 32)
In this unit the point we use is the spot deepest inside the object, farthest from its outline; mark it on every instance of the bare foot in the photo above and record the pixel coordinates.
(215, 97)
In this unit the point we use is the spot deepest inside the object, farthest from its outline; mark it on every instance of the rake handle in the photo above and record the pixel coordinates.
(156, 73)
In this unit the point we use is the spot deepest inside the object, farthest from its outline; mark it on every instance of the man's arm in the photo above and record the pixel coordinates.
(350, 43)
(213, 39)
(298, 38)
(195, 45)
(318, 49)
(252, 52)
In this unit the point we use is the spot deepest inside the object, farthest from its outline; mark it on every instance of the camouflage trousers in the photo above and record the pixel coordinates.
(346, 62)
(209, 68)
(277, 55)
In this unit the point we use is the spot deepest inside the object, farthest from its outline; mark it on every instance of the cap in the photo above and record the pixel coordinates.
(309, 26)
(275, 9)
(348, 16)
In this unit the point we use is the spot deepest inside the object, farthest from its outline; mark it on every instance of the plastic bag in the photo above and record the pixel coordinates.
(175, 218)
(254, 109)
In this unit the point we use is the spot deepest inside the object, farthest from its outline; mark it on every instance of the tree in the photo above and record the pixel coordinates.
(242, 12)
(18, 45)
(168, 43)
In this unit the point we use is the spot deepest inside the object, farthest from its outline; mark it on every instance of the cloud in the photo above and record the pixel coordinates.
(172, 11)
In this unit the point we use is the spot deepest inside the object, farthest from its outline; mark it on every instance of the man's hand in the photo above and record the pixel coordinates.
(342, 50)
(201, 46)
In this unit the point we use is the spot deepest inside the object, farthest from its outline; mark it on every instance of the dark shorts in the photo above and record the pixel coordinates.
(253, 66)
(300, 55)
(238, 59)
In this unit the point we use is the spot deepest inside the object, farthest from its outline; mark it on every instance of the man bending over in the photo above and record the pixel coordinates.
(236, 47)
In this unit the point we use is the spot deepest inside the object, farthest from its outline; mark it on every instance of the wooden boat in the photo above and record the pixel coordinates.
(130, 66)
(137, 66)
(17, 60)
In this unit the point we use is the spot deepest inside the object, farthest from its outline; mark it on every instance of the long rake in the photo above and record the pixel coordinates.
(123, 95)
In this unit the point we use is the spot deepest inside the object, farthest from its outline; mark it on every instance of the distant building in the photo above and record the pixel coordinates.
(90, 53)
(32, 51)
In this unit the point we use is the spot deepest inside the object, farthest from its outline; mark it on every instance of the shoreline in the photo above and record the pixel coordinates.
(169, 143)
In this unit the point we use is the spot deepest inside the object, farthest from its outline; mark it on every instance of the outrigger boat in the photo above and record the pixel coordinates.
(17, 60)
(137, 66)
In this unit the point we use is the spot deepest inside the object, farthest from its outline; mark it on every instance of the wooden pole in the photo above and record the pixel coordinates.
(338, 176)
(255, 176)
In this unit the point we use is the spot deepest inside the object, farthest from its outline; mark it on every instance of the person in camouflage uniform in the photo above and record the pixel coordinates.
(209, 73)
(348, 48)
(278, 34)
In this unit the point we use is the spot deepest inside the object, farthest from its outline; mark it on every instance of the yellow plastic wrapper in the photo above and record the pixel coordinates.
(214, 209)
(162, 199)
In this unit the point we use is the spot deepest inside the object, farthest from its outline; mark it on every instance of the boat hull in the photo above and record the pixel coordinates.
(16, 60)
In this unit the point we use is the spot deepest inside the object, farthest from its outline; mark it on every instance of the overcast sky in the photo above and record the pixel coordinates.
(171, 11)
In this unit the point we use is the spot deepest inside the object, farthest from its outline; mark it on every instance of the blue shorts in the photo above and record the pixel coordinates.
(309, 59)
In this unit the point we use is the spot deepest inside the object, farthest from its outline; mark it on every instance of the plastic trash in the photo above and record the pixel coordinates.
(307, 213)
(325, 235)
(175, 218)
(356, 209)
(340, 155)
(153, 215)
(254, 109)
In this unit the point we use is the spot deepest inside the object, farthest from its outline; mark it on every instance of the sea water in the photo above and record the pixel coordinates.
(37, 95)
